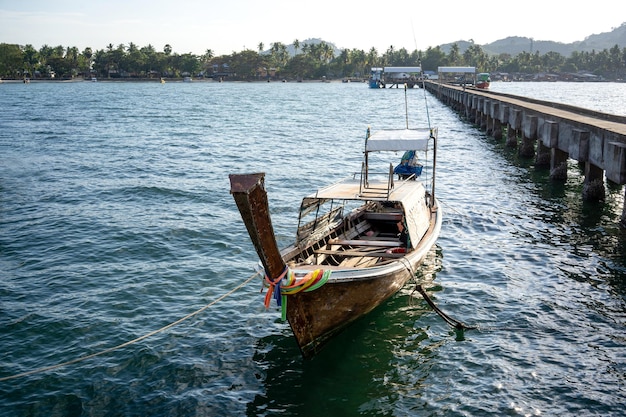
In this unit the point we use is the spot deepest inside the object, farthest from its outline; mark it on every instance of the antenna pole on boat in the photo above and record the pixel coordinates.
(432, 188)
(406, 107)
(365, 180)
(426, 102)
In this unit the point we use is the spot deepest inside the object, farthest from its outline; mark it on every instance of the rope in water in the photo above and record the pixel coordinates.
(130, 342)
(452, 322)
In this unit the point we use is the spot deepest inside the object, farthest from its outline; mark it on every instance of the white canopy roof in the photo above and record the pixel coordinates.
(471, 70)
(402, 69)
(399, 140)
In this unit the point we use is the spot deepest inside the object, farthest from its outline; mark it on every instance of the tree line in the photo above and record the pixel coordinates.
(302, 61)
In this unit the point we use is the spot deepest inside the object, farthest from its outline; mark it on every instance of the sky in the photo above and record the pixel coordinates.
(229, 26)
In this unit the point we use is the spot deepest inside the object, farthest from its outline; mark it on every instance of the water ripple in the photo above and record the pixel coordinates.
(115, 220)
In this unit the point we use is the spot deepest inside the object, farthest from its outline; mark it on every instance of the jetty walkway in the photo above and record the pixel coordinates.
(549, 132)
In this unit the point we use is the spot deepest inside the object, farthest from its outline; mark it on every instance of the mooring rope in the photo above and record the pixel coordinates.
(452, 322)
(130, 342)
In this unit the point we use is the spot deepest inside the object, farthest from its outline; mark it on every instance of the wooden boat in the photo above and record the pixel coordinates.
(483, 80)
(358, 241)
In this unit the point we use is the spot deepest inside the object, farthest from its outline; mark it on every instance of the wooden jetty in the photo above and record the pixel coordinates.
(550, 132)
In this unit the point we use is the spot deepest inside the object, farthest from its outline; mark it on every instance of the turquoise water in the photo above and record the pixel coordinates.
(116, 220)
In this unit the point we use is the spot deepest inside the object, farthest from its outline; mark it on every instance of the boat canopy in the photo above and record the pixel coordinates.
(399, 140)
(390, 70)
(471, 70)
(323, 210)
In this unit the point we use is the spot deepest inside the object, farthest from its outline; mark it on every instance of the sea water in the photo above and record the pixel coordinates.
(116, 220)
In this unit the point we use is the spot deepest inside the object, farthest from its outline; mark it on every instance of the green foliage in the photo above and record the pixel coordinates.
(305, 61)
(11, 60)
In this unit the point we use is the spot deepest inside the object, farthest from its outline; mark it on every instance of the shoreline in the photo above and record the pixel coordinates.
(211, 80)
(167, 80)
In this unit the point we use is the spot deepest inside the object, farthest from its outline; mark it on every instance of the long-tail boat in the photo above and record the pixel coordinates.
(483, 80)
(358, 241)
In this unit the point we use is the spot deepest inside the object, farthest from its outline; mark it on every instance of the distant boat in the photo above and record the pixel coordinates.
(377, 79)
(94, 79)
(187, 79)
(483, 80)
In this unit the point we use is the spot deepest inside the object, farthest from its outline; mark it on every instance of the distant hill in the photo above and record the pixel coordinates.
(605, 40)
(514, 45)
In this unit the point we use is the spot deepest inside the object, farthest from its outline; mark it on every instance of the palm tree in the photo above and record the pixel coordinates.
(206, 60)
(109, 59)
(327, 52)
(296, 46)
(454, 56)
(372, 57)
(279, 53)
(71, 56)
(388, 57)
(616, 63)
(344, 56)
(31, 58)
(85, 61)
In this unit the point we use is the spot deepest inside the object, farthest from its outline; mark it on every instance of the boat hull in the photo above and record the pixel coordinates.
(483, 80)
(316, 316)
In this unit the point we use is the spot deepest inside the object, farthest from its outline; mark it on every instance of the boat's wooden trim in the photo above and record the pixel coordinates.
(360, 242)
(383, 216)
(379, 237)
(376, 254)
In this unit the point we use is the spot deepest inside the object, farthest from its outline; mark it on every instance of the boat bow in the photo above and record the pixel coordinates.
(248, 190)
